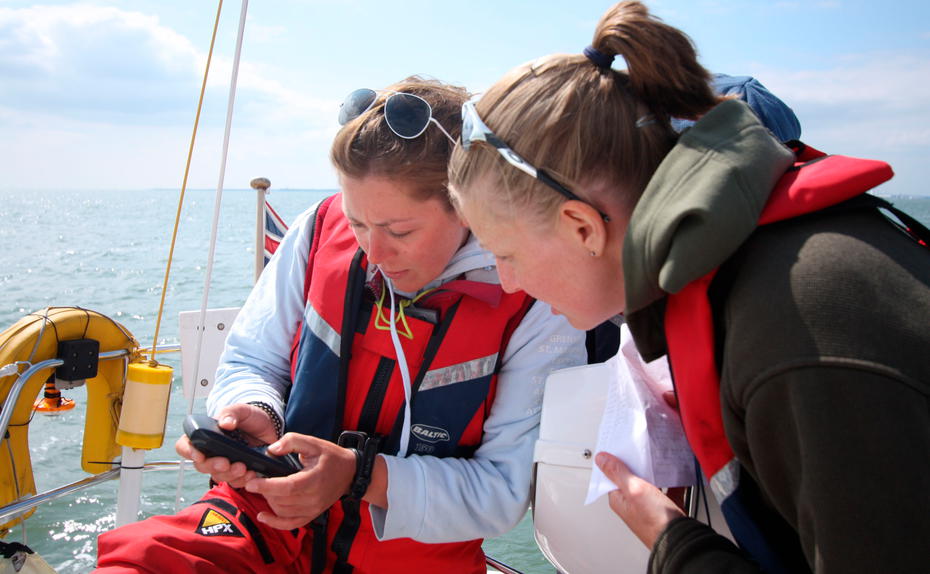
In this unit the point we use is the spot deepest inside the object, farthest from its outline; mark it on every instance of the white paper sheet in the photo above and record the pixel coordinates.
(638, 426)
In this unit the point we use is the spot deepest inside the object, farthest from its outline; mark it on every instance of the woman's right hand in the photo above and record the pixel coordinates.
(645, 509)
(252, 422)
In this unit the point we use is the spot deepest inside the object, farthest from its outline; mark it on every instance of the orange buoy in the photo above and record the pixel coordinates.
(52, 401)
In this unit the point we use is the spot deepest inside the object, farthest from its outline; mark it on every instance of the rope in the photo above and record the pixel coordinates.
(216, 219)
(214, 228)
(187, 168)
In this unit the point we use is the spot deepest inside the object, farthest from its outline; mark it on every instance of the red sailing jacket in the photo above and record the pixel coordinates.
(816, 181)
(458, 334)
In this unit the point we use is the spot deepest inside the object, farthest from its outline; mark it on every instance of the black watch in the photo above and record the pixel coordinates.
(366, 449)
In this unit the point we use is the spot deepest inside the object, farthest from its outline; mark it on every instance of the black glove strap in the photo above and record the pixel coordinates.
(365, 449)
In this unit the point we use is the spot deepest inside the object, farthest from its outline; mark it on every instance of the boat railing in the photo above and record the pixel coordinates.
(23, 505)
(17, 388)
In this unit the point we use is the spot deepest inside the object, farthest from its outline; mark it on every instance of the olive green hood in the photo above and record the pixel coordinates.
(701, 204)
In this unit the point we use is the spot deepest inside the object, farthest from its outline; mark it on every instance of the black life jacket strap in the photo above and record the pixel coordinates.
(345, 535)
(432, 346)
(351, 507)
(355, 289)
(318, 551)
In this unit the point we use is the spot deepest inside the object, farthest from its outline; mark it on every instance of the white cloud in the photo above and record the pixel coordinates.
(880, 98)
(268, 99)
(91, 60)
(124, 67)
(871, 106)
(898, 81)
(102, 97)
(262, 33)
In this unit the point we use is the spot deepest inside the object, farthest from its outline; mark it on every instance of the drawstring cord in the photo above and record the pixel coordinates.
(402, 364)
(381, 321)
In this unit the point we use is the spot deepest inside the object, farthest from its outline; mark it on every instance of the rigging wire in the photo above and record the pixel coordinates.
(187, 168)
(216, 217)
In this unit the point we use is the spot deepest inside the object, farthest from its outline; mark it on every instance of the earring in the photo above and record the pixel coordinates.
(593, 254)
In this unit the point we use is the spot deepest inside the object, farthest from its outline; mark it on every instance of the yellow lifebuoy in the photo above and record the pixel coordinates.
(35, 338)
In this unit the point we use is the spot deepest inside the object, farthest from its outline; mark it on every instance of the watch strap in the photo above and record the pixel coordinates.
(365, 449)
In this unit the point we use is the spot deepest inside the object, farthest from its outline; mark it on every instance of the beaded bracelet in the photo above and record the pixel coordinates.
(269, 410)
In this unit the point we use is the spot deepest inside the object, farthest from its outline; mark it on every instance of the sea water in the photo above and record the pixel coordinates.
(106, 250)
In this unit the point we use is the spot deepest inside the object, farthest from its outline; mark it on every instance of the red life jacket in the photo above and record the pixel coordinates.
(816, 181)
(345, 377)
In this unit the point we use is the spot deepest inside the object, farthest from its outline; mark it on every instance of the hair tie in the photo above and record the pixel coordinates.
(600, 59)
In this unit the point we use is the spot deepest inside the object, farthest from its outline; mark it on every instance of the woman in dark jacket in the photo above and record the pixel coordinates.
(794, 313)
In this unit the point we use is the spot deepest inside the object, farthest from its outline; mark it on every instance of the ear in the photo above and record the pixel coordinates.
(583, 226)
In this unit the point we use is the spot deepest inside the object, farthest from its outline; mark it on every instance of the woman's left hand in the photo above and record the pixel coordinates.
(644, 508)
(299, 498)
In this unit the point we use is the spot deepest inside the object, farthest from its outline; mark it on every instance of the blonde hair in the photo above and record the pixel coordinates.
(589, 127)
(366, 146)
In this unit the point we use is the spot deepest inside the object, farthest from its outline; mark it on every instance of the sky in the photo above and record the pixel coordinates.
(103, 94)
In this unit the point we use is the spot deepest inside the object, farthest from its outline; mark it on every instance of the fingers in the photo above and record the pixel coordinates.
(255, 424)
(230, 416)
(184, 448)
(308, 447)
(671, 398)
(284, 523)
(219, 468)
(293, 442)
(294, 499)
(299, 497)
(642, 506)
(614, 469)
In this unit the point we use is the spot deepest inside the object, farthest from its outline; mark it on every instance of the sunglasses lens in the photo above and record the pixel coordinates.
(407, 115)
(356, 104)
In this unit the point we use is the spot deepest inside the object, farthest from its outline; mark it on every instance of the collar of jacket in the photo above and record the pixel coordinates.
(701, 204)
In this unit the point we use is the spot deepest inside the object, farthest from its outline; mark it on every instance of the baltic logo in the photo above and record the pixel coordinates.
(430, 434)
(212, 523)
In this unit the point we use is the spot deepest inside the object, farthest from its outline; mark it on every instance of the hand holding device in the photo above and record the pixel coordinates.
(206, 435)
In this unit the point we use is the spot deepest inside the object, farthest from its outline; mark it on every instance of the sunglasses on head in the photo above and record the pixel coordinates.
(474, 129)
(406, 115)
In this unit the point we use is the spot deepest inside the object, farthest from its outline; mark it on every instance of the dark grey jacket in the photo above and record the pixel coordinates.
(823, 327)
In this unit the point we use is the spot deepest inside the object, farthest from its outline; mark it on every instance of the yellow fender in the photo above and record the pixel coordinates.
(34, 338)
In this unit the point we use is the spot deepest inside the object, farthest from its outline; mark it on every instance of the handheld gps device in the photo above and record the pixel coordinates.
(207, 437)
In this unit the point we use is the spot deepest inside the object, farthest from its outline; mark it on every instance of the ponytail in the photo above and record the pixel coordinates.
(662, 64)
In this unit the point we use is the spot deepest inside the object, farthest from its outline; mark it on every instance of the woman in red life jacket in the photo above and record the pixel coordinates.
(379, 346)
(794, 313)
